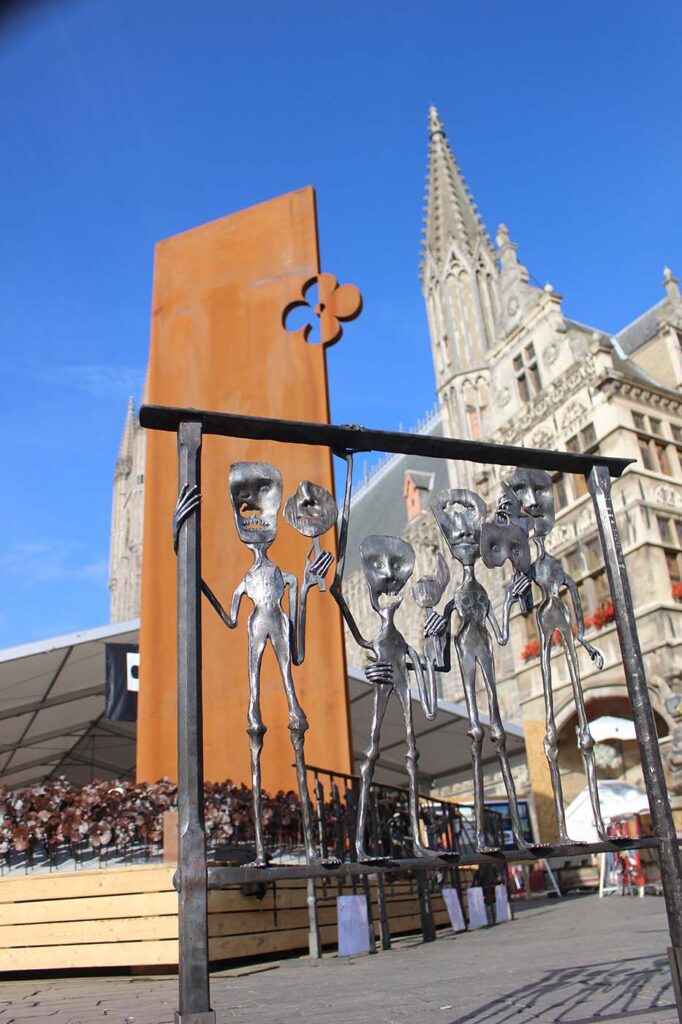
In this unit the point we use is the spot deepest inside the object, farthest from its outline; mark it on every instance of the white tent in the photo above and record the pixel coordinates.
(609, 728)
(617, 799)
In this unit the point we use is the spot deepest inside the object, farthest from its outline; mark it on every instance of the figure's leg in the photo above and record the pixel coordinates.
(551, 743)
(411, 758)
(298, 726)
(382, 691)
(467, 667)
(499, 740)
(256, 731)
(585, 740)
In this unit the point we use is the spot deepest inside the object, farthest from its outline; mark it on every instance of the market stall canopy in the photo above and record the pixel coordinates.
(609, 728)
(52, 719)
(52, 710)
(618, 800)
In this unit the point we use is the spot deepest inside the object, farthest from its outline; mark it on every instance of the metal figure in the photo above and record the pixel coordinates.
(533, 489)
(388, 563)
(460, 515)
(256, 495)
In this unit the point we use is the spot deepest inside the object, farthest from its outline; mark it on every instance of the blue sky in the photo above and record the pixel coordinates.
(125, 122)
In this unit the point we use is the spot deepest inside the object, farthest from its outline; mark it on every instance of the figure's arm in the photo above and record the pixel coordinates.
(335, 588)
(188, 502)
(230, 619)
(518, 586)
(313, 575)
(426, 682)
(594, 652)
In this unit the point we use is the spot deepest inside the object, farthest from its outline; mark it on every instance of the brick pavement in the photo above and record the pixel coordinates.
(578, 961)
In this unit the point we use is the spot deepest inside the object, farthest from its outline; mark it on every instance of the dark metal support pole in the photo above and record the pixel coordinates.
(191, 876)
(599, 483)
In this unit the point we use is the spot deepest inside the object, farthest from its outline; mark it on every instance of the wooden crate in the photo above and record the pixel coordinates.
(127, 917)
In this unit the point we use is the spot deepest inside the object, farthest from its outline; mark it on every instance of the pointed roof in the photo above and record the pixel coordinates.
(125, 451)
(450, 210)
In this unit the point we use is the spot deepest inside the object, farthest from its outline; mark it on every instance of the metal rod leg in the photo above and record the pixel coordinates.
(599, 483)
(194, 999)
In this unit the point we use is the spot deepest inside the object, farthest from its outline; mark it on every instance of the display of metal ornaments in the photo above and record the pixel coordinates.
(467, 624)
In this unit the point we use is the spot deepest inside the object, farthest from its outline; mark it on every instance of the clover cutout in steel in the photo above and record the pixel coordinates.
(336, 304)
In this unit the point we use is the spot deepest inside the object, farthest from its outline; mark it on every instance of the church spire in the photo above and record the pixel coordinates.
(451, 215)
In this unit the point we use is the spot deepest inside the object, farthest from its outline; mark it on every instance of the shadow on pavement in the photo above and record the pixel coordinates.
(592, 994)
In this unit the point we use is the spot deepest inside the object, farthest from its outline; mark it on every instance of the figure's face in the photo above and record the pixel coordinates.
(533, 488)
(388, 563)
(256, 493)
(460, 515)
(502, 541)
(311, 510)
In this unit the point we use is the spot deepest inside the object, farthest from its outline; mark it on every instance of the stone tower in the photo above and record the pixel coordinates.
(459, 276)
(125, 558)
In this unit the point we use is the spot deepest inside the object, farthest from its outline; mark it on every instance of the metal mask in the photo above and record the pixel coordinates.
(256, 493)
(506, 537)
(428, 590)
(460, 515)
(533, 488)
(311, 510)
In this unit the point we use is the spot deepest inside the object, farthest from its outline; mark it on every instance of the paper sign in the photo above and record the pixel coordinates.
(353, 926)
(454, 909)
(478, 917)
(501, 904)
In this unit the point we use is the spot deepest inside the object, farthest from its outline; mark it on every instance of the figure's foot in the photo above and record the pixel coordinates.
(490, 850)
(565, 840)
(449, 855)
(521, 843)
(259, 862)
(369, 858)
(330, 862)
(541, 847)
(420, 850)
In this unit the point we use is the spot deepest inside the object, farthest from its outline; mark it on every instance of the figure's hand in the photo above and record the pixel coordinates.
(380, 672)
(315, 571)
(520, 585)
(594, 652)
(435, 624)
(188, 501)
(434, 649)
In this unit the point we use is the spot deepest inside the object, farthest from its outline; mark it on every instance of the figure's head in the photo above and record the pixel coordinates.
(256, 493)
(506, 537)
(388, 563)
(460, 515)
(533, 488)
(311, 510)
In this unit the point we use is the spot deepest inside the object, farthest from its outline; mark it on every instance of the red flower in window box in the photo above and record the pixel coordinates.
(677, 591)
(602, 616)
(531, 650)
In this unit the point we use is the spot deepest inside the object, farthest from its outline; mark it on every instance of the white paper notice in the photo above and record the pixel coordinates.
(454, 909)
(478, 917)
(351, 915)
(501, 904)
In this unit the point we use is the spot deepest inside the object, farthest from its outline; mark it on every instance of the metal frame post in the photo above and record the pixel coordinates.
(599, 484)
(191, 878)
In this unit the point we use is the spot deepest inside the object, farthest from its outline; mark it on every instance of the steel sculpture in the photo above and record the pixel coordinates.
(256, 496)
(534, 492)
(388, 563)
(460, 514)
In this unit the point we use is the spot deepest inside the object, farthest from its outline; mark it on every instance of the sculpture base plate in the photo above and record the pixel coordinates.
(206, 1017)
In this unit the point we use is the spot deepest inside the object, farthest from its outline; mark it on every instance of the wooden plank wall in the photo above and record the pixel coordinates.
(127, 917)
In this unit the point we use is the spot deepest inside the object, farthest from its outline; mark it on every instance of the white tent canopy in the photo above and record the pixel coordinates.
(52, 719)
(609, 728)
(617, 799)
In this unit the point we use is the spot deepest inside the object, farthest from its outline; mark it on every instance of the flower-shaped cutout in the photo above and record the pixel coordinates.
(336, 304)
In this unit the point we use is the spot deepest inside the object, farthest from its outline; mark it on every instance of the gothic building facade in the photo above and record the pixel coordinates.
(511, 367)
